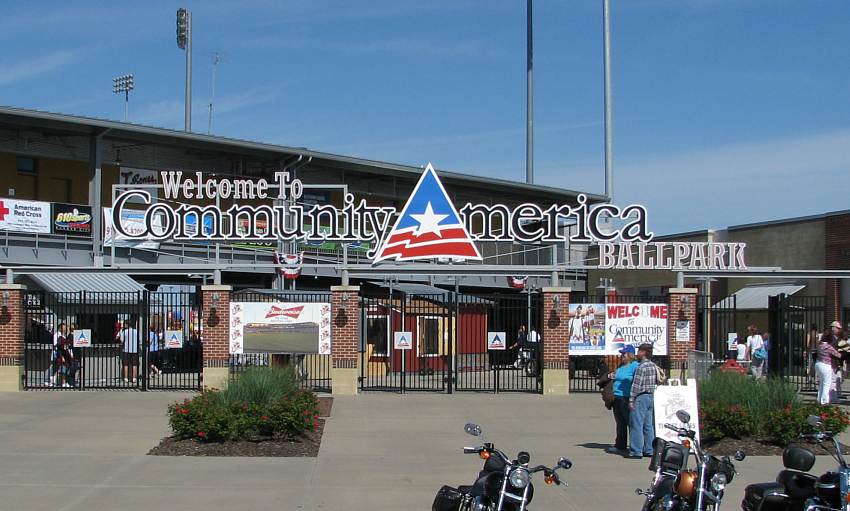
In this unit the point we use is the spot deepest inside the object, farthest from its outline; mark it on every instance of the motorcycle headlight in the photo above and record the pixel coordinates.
(718, 482)
(519, 478)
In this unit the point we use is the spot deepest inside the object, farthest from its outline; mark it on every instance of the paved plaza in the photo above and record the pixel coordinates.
(76, 451)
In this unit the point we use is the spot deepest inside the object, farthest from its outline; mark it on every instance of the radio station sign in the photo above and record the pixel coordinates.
(428, 227)
(72, 219)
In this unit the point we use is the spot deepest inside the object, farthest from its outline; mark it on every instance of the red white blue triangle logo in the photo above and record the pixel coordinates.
(428, 227)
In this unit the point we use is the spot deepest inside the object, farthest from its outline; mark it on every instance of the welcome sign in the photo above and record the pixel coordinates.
(428, 227)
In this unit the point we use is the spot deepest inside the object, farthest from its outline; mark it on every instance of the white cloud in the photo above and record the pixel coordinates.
(11, 72)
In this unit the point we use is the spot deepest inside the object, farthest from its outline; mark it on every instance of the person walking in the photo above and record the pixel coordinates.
(622, 377)
(641, 406)
(755, 348)
(826, 357)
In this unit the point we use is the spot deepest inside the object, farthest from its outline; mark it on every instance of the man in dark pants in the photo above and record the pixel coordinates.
(641, 416)
(622, 387)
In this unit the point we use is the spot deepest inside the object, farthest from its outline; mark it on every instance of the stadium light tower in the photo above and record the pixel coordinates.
(125, 84)
(184, 42)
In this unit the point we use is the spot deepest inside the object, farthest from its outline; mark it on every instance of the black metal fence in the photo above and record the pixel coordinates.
(313, 370)
(790, 319)
(138, 340)
(716, 319)
(445, 346)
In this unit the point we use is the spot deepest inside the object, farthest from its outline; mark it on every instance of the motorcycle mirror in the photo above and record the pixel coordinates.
(740, 455)
(814, 421)
(523, 458)
(683, 416)
(472, 429)
(565, 463)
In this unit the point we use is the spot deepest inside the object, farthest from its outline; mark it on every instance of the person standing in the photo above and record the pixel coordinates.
(755, 348)
(811, 353)
(768, 345)
(129, 339)
(155, 344)
(623, 377)
(641, 405)
(824, 367)
(61, 332)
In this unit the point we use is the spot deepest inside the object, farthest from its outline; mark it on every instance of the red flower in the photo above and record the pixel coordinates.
(306, 412)
(264, 418)
(202, 434)
(824, 416)
(316, 424)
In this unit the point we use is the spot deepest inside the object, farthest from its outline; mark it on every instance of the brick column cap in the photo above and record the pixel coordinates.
(683, 291)
(556, 289)
(10, 287)
(343, 289)
(216, 287)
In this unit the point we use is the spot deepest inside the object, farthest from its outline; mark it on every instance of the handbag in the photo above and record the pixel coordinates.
(760, 354)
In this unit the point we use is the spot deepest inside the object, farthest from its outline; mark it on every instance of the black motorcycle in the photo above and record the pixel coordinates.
(676, 487)
(502, 485)
(795, 489)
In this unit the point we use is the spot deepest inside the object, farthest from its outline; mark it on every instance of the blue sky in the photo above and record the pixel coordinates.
(726, 111)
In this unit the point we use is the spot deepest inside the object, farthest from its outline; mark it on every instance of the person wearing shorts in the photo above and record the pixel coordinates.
(129, 339)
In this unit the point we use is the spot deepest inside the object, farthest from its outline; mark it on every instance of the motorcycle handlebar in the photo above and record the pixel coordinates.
(471, 450)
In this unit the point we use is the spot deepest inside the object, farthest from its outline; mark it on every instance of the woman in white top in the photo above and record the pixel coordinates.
(742, 351)
(754, 343)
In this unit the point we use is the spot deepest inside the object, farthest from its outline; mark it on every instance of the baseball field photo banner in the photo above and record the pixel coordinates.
(586, 329)
(280, 327)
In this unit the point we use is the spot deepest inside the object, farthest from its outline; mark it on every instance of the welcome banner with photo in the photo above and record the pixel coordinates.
(280, 327)
(604, 329)
(25, 216)
(586, 329)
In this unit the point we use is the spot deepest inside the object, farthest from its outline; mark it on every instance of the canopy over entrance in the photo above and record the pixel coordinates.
(756, 297)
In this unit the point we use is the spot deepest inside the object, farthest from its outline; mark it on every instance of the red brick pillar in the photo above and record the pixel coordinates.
(11, 337)
(215, 315)
(556, 346)
(345, 338)
(682, 307)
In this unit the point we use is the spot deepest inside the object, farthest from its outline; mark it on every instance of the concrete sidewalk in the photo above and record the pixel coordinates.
(70, 451)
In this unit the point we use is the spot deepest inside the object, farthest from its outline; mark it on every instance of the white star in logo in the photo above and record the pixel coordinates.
(428, 221)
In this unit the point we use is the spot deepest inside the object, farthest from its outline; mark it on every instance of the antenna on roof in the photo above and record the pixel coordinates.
(216, 58)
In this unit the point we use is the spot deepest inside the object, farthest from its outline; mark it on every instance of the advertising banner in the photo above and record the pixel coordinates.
(130, 176)
(496, 340)
(72, 219)
(280, 327)
(133, 222)
(24, 216)
(586, 329)
(669, 399)
(635, 324)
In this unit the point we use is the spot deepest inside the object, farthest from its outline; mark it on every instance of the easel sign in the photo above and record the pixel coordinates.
(669, 399)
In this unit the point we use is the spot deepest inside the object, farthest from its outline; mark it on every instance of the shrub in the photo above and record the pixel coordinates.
(734, 405)
(264, 405)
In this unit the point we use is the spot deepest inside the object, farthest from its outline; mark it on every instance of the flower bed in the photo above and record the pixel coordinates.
(770, 412)
(262, 410)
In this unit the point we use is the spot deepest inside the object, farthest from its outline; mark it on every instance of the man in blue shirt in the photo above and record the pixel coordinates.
(622, 387)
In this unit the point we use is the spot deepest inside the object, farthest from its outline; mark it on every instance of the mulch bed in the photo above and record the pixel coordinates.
(306, 445)
(754, 447)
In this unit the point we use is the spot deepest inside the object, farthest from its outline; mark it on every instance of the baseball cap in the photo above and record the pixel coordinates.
(835, 324)
(628, 349)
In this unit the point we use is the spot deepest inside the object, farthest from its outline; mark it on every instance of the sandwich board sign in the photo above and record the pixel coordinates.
(82, 338)
(402, 340)
(173, 339)
(669, 399)
(496, 340)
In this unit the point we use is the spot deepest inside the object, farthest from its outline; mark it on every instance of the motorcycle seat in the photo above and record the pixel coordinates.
(762, 495)
(797, 485)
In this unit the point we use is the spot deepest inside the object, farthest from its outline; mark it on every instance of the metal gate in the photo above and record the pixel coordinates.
(445, 347)
(313, 370)
(716, 319)
(585, 370)
(129, 349)
(790, 319)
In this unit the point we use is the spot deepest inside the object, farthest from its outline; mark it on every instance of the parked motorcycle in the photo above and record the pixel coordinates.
(675, 487)
(797, 490)
(502, 485)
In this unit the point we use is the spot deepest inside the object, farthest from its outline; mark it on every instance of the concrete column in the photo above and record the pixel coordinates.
(216, 335)
(682, 307)
(345, 339)
(556, 346)
(95, 199)
(11, 337)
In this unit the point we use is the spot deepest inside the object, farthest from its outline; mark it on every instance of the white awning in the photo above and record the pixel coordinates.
(756, 297)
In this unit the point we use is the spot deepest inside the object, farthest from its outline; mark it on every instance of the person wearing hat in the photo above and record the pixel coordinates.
(622, 377)
(641, 406)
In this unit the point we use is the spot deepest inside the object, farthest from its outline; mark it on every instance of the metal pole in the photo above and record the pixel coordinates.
(188, 106)
(96, 179)
(609, 121)
(126, 105)
(529, 97)
(216, 60)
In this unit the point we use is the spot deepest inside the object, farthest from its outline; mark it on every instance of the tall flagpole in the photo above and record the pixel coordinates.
(529, 97)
